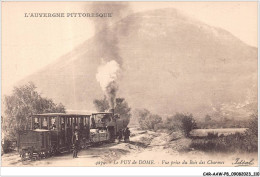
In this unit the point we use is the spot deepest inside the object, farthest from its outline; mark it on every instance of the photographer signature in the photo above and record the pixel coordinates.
(243, 163)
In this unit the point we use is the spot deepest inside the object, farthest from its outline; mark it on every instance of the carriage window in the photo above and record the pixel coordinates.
(75, 122)
(81, 124)
(36, 123)
(69, 123)
(62, 123)
(84, 121)
(100, 118)
(53, 123)
(45, 123)
(87, 121)
(86, 124)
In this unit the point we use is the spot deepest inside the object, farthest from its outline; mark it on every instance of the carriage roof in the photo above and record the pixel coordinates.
(61, 115)
(41, 130)
(101, 113)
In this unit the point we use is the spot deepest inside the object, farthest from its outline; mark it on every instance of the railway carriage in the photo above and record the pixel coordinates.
(51, 133)
(34, 144)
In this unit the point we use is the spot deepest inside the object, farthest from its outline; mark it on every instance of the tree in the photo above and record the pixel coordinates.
(101, 105)
(173, 124)
(23, 102)
(122, 108)
(183, 122)
(147, 120)
(188, 124)
(250, 137)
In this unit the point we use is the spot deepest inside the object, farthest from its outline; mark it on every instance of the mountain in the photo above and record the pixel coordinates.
(169, 63)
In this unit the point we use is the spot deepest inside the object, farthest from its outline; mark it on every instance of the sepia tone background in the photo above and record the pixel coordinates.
(30, 44)
(195, 57)
(38, 42)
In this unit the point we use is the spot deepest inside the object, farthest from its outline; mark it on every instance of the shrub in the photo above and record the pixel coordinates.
(212, 135)
(147, 120)
(246, 142)
(159, 126)
(8, 145)
(252, 134)
(181, 122)
(231, 143)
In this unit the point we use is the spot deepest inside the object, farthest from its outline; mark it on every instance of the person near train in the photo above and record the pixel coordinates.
(75, 141)
(36, 125)
(120, 135)
(126, 134)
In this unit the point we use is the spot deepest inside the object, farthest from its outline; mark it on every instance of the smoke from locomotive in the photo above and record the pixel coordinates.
(107, 76)
(107, 45)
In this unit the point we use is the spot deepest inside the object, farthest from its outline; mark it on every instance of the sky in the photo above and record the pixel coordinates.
(29, 44)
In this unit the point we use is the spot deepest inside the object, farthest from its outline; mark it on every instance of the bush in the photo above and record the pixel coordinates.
(212, 135)
(147, 120)
(159, 126)
(181, 122)
(252, 134)
(247, 142)
(231, 143)
(7, 146)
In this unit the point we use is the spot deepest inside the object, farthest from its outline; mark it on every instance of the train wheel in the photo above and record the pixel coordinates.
(58, 152)
(42, 155)
(23, 155)
(30, 154)
(53, 150)
(37, 156)
(46, 155)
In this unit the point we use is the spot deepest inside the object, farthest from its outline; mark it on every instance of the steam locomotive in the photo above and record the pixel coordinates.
(51, 133)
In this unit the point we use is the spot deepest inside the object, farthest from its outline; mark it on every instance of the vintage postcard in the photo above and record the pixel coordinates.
(129, 84)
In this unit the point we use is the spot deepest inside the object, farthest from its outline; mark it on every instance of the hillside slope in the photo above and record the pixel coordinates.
(170, 63)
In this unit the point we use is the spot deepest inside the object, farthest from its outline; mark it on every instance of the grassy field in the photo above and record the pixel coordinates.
(232, 142)
(218, 132)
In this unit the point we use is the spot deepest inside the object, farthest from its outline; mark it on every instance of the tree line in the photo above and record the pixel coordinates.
(23, 102)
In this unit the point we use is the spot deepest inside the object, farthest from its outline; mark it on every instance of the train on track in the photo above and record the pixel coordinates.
(51, 133)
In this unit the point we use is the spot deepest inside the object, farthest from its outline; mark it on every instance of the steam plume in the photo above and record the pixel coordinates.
(106, 42)
(107, 76)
